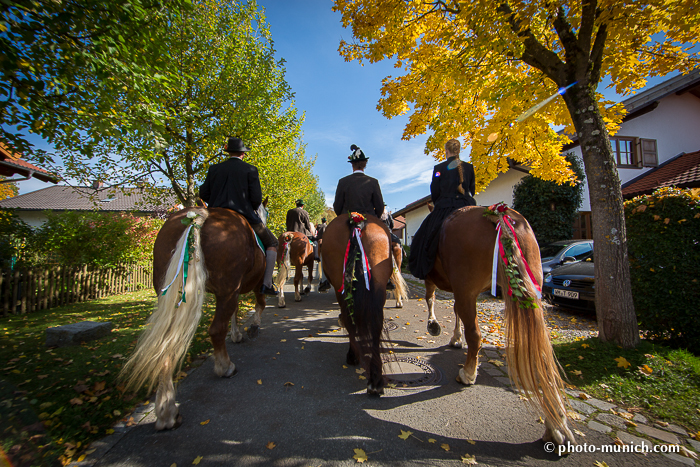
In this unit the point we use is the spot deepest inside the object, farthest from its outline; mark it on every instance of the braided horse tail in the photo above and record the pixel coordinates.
(162, 347)
(532, 365)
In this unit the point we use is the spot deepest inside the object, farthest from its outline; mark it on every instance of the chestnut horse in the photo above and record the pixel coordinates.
(225, 260)
(464, 266)
(364, 318)
(295, 250)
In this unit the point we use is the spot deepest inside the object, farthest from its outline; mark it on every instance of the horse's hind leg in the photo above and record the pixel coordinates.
(433, 325)
(310, 270)
(260, 304)
(166, 410)
(397, 253)
(226, 309)
(465, 308)
(298, 281)
(281, 280)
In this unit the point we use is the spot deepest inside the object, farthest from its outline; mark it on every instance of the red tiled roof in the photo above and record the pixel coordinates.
(65, 198)
(682, 171)
(10, 164)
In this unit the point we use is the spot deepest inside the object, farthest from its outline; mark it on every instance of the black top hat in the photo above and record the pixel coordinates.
(357, 155)
(300, 202)
(323, 219)
(235, 145)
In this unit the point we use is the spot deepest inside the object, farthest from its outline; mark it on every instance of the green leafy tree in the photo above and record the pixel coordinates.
(315, 204)
(472, 69)
(222, 79)
(550, 207)
(65, 63)
(14, 235)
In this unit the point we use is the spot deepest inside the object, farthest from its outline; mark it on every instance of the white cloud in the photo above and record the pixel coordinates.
(405, 170)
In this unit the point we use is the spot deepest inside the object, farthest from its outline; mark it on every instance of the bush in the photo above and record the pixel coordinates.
(663, 235)
(96, 238)
(550, 208)
(14, 235)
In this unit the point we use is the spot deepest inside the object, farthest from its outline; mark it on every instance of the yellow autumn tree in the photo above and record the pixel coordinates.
(469, 69)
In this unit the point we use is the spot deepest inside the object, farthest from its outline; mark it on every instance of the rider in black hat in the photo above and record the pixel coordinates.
(298, 220)
(235, 185)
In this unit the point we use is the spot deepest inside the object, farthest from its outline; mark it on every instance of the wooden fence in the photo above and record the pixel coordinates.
(24, 291)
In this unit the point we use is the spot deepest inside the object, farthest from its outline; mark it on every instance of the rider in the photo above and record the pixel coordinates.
(451, 188)
(298, 220)
(357, 193)
(235, 185)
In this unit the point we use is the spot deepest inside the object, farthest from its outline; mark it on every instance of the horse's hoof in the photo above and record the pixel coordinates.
(434, 328)
(282, 306)
(307, 290)
(253, 331)
(178, 422)
(465, 378)
(168, 425)
(297, 299)
(457, 344)
(232, 371)
(375, 391)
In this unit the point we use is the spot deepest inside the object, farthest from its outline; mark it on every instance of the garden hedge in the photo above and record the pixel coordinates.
(663, 234)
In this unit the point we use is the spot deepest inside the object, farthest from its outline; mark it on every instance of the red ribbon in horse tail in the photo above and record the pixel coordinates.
(508, 222)
(357, 233)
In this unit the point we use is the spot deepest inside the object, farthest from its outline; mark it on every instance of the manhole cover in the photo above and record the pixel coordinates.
(410, 372)
(390, 325)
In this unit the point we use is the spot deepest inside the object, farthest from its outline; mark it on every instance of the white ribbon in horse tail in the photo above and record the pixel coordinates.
(184, 261)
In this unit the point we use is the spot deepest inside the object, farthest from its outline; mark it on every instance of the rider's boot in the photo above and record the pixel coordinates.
(268, 288)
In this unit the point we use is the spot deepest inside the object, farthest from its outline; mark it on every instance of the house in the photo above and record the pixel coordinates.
(10, 165)
(31, 207)
(657, 145)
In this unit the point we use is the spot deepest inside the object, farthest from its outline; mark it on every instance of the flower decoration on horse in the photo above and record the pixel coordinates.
(354, 256)
(357, 220)
(508, 249)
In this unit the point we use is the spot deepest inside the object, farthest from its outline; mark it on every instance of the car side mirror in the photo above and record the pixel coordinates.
(569, 259)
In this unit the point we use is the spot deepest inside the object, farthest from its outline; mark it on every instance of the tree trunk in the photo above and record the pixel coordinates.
(617, 321)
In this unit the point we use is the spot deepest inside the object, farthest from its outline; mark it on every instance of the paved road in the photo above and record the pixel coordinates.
(316, 412)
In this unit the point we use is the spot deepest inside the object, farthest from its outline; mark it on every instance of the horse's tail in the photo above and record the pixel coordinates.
(398, 280)
(286, 263)
(365, 308)
(172, 325)
(532, 365)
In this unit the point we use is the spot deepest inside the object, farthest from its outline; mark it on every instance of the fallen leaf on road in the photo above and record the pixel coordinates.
(600, 464)
(361, 377)
(259, 381)
(580, 433)
(690, 454)
(496, 362)
(197, 460)
(360, 455)
(583, 396)
(469, 460)
(288, 384)
(432, 440)
(471, 441)
(405, 434)
(270, 445)
(360, 370)
(445, 446)
(204, 422)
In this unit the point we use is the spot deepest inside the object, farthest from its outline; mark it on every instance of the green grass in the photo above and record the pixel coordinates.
(667, 389)
(54, 402)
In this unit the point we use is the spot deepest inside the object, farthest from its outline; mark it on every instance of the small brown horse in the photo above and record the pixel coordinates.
(464, 266)
(226, 261)
(364, 320)
(295, 250)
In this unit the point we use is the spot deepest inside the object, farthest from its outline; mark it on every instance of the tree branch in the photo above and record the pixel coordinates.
(597, 53)
(588, 16)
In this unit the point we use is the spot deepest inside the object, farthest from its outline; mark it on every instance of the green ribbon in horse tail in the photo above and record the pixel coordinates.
(184, 261)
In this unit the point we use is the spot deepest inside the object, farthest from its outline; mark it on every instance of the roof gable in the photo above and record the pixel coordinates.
(10, 164)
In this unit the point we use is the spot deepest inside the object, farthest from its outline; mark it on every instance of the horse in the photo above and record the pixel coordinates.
(362, 307)
(297, 251)
(397, 254)
(224, 259)
(464, 266)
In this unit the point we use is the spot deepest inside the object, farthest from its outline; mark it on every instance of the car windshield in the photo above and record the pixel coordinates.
(550, 251)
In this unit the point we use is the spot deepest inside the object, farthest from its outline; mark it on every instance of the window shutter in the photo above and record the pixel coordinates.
(649, 154)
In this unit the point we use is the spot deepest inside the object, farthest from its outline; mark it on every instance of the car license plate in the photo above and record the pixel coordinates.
(565, 293)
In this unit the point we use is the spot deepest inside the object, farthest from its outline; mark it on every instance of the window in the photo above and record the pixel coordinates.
(580, 251)
(634, 152)
(624, 151)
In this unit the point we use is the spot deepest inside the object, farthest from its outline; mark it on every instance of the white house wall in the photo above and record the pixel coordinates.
(500, 189)
(674, 126)
(33, 218)
(413, 221)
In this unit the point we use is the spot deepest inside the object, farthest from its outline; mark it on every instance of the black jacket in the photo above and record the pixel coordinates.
(298, 221)
(358, 193)
(235, 185)
(443, 187)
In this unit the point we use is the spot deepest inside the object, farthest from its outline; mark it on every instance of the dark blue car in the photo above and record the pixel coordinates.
(571, 285)
(563, 252)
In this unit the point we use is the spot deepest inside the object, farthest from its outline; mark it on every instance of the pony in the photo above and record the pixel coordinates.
(362, 307)
(297, 251)
(464, 266)
(224, 259)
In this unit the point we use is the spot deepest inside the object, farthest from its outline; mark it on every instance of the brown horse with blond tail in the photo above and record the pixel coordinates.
(464, 266)
(297, 251)
(224, 259)
(362, 307)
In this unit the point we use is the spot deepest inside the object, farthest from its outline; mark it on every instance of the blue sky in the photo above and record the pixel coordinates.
(339, 101)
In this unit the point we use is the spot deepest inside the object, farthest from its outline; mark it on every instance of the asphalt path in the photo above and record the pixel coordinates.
(295, 402)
